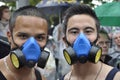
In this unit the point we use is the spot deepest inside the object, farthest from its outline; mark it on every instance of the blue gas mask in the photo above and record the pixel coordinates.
(82, 50)
(29, 54)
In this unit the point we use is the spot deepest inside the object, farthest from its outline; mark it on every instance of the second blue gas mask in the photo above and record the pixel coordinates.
(82, 50)
(29, 54)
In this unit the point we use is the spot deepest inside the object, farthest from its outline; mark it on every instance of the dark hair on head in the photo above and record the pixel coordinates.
(79, 9)
(2, 8)
(104, 32)
(25, 11)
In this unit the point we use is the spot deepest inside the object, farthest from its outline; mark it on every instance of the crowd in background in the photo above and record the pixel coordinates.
(57, 66)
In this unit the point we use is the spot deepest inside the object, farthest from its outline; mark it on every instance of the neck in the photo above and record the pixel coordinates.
(83, 70)
(118, 46)
(3, 20)
(103, 58)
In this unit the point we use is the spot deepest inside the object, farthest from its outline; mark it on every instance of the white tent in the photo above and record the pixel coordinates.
(19, 3)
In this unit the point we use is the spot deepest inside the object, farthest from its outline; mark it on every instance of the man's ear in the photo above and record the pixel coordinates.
(9, 36)
(65, 41)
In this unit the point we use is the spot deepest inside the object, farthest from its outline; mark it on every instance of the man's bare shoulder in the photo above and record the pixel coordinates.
(117, 76)
(1, 64)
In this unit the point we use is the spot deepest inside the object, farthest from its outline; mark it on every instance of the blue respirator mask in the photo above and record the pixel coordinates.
(29, 54)
(82, 51)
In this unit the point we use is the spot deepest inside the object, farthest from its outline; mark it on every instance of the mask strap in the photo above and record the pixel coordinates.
(95, 39)
(68, 42)
(42, 48)
(14, 43)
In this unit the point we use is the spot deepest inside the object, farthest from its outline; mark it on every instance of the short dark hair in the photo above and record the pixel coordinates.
(2, 8)
(24, 11)
(79, 9)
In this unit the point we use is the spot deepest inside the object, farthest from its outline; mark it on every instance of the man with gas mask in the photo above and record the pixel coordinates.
(81, 27)
(28, 34)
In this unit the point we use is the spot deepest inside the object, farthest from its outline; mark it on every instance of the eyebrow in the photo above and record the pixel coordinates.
(73, 29)
(22, 33)
(89, 27)
(41, 34)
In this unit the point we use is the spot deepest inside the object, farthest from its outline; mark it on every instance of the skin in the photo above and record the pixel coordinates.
(25, 27)
(105, 47)
(78, 24)
(116, 38)
(6, 15)
(88, 71)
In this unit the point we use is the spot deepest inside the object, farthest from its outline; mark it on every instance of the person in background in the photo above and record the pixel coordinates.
(49, 71)
(81, 27)
(104, 42)
(4, 18)
(27, 35)
(61, 65)
(115, 51)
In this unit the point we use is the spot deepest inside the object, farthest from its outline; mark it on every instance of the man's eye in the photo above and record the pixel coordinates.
(115, 38)
(40, 38)
(23, 36)
(101, 43)
(74, 32)
(88, 31)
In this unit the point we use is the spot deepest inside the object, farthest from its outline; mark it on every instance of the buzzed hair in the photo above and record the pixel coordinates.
(25, 11)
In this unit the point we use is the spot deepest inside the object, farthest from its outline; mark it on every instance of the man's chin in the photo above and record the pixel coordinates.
(103, 54)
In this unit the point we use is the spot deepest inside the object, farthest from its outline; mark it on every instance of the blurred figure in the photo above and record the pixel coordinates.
(4, 17)
(62, 66)
(50, 69)
(115, 51)
(104, 43)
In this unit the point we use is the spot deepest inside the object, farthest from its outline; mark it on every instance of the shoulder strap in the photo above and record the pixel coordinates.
(62, 78)
(111, 74)
(2, 76)
(38, 75)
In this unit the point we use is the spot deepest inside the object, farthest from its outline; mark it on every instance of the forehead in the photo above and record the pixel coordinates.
(116, 34)
(103, 36)
(6, 10)
(81, 20)
(30, 23)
